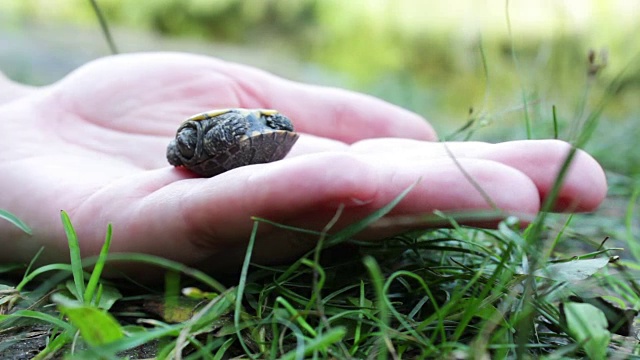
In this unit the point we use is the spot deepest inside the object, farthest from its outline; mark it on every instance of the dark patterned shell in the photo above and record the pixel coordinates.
(220, 140)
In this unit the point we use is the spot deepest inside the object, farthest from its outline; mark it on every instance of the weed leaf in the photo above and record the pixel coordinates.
(573, 270)
(96, 326)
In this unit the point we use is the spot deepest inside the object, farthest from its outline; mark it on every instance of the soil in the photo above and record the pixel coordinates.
(25, 342)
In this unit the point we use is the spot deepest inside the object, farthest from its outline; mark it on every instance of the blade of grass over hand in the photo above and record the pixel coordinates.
(355, 228)
(15, 221)
(286, 227)
(350, 230)
(97, 270)
(444, 219)
(74, 251)
(466, 126)
(471, 180)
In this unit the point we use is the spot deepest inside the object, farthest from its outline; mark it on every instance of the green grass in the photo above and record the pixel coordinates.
(563, 287)
(428, 294)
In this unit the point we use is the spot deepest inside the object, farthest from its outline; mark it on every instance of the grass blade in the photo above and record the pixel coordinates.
(74, 251)
(97, 270)
(104, 27)
(15, 221)
(166, 264)
(377, 280)
(355, 228)
(46, 318)
(241, 286)
(319, 343)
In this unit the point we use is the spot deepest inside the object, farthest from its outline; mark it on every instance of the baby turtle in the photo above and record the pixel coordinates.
(213, 142)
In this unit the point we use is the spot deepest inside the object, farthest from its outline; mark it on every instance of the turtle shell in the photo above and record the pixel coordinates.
(213, 142)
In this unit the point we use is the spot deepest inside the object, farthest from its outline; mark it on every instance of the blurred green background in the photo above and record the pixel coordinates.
(450, 61)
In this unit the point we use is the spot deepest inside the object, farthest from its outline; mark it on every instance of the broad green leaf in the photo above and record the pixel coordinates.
(108, 296)
(96, 326)
(620, 319)
(587, 325)
(572, 270)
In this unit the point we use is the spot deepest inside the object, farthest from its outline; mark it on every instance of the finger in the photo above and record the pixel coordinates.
(330, 112)
(583, 189)
(172, 85)
(306, 191)
(167, 212)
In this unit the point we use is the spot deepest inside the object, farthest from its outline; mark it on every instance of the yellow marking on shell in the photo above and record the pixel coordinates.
(208, 114)
(245, 112)
(268, 112)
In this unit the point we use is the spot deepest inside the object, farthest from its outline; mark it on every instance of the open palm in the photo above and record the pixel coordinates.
(94, 145)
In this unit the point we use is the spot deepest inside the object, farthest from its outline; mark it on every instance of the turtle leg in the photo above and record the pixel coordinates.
(184, 147)
(225, 133)
(172, 154)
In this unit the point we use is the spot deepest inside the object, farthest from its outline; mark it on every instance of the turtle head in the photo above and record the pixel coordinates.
(275, 120)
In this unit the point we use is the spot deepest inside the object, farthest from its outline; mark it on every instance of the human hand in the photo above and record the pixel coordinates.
(94, 145)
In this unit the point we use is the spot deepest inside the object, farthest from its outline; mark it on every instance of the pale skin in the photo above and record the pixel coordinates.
(93, 144)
